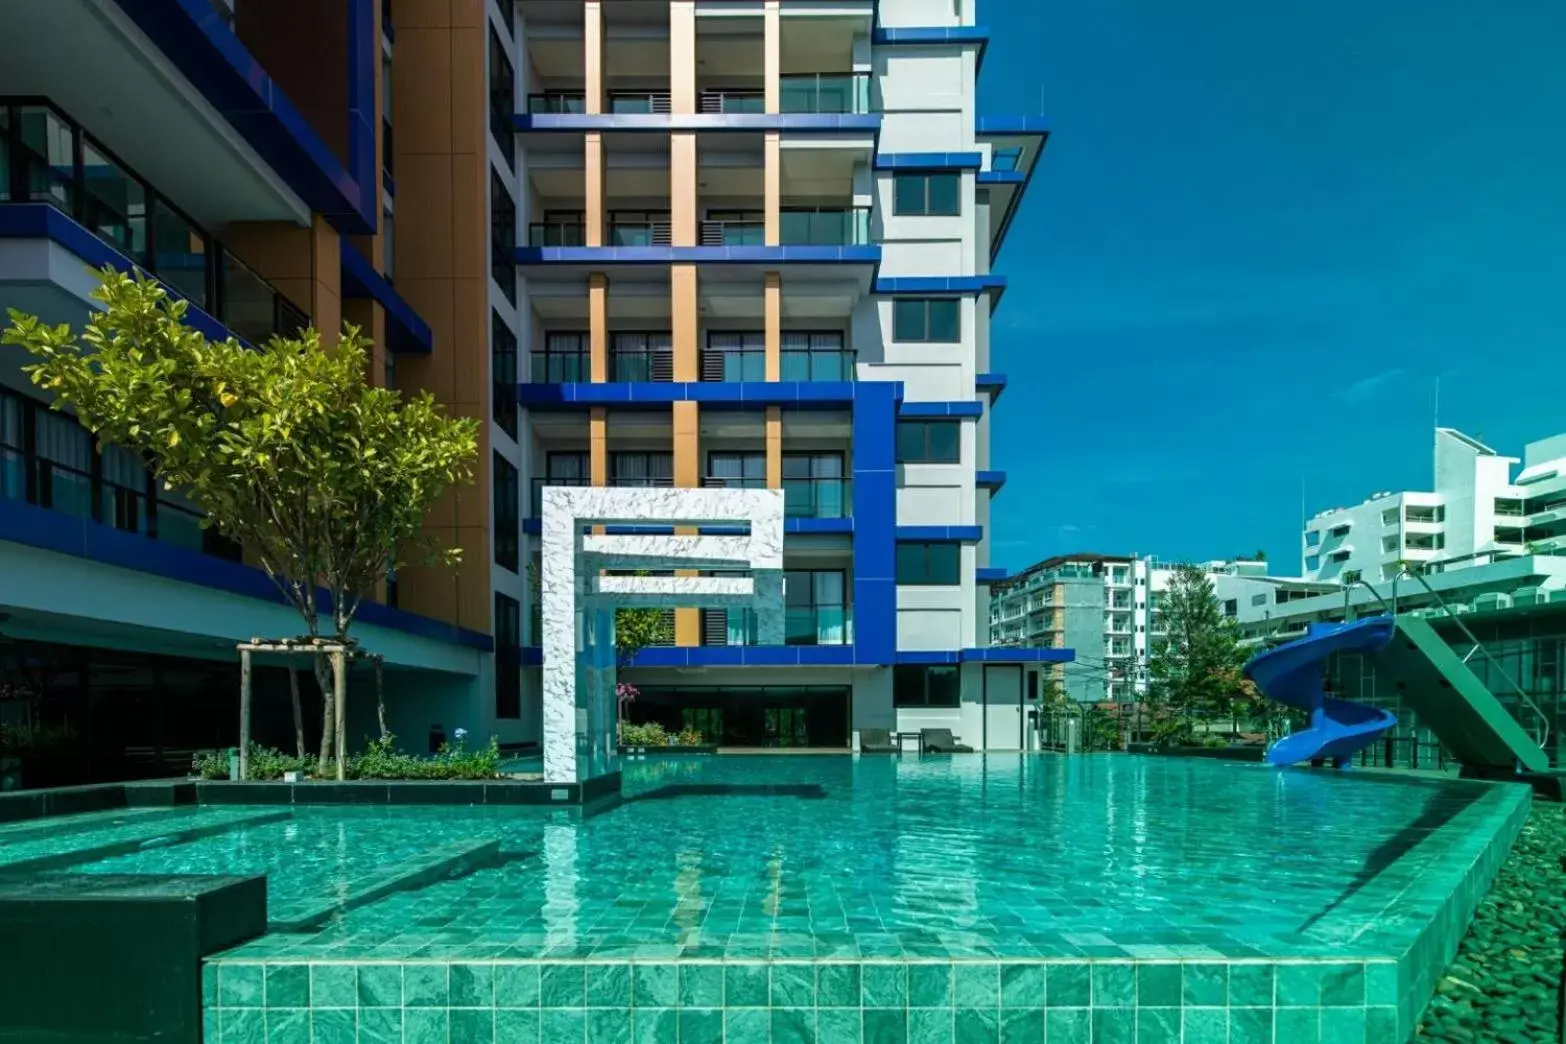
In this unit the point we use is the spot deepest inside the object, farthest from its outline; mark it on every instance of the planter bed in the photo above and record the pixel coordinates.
(405, 792)
(637, 751)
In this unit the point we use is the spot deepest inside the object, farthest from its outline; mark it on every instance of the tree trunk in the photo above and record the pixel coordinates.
(244, 714)
(293, 693)
(380, 697)
(323, 678)
(340, 687)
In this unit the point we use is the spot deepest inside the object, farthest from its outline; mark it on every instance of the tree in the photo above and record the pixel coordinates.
(1195, 668)
(322, 479)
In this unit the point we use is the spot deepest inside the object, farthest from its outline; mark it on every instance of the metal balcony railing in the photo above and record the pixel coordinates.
(546, 367)
(732, 100)
(815, 625)
(632, 102)
(817, 497)
(640, 233)
(733, 233)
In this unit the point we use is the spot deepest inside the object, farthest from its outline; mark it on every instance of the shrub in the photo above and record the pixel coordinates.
(649, 735)
(688, 737)
(380, 760)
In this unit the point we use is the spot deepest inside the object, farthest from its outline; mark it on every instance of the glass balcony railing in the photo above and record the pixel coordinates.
(802, 625)
(824, 226)
(729, 233)
(655, 232)
(736, 100)
(638, 102)
(817, 497)
(824, 93)
(46, 157)
(556, 234)
(561, 367)
(557, 102)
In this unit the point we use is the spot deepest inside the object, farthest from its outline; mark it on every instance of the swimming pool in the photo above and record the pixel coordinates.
(1207, 893)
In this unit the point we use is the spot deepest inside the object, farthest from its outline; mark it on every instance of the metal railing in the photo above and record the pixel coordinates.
(733, 233)
(556, 234)
(815, 625)
(736, 100)
(658, 232)
(633, 102)
(546, 367)
(557, 102)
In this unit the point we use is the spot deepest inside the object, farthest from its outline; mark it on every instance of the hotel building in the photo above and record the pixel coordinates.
(686, 243)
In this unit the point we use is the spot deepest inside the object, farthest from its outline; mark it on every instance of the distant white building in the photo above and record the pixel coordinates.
(1477, 512)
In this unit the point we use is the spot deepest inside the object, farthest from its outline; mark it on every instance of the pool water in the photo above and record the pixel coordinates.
(812, 857)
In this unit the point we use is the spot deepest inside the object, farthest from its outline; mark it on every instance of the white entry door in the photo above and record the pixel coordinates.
(1003, 710)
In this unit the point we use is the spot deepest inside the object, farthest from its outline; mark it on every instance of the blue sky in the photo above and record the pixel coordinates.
(1258, 234)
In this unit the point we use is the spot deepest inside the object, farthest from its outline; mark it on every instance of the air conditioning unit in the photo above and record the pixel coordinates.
(1558, 595)
(1492, 600)
(1529, 596)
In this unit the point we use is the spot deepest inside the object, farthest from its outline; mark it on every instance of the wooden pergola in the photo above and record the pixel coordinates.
(339, 653)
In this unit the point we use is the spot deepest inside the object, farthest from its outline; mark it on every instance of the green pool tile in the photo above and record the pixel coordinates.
(606, 1026)
(1250, 1026)
(516, 985)
(339, 1026)
(1021, 1025)
(1158, 1026)
(1204, 1025)
(694, 1025)
(746, 1025)
(977, 1026)
(884, 985)
(745, 986)
(701, 986)
(334, 986)
(1068, 986)
(655, 985)
(793, 986)
(1342, 985)
(793, 1025)
(1251, 985)
(239, 986)
(287, 985)
(976, 985)
(384, 1026)
(836, 1024)
(1114, 1026)
(212, 1026)
(472, 985)
(1207, 985)
(209, 986)
(1158, 985)
(426, 985)
(930, 1026)
(1381, 983)
(380, 986)
(1344, 1026)
(516, 1026)
(1068, 1025)
(1022, 985)
(929, 985)
(837, 986)
(425, 1026)
(609, 986)
(1114, 984)
(1297, 1026)
(884, 1026)
(1380, 1024)
(562, 986)
(1299, 985)
(288, 1026)
(563, 1025)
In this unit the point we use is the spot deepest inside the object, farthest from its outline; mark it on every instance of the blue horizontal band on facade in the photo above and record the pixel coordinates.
(406, 333)
(194, 37)
(43, 221)
(925, 285)
(940, 409)
(925, 36)
(807, 122)
(1004, 654)
(700, 255)
(940, 534)
(1002, 177)
(23, 523)
(990, 575)
(717, 394)
(994, 383)
(989, 479)
(929, 161)
(1001, 126)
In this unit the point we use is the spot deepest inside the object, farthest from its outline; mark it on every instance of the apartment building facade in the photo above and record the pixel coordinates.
(749, 245)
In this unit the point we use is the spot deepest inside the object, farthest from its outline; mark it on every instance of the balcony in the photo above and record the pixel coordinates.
(804, 625)
(824, 93)
(49, 461)
(804, 357)
(46, 157)
(802, 497)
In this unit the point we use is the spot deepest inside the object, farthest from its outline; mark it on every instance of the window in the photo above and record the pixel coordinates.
(929, 442)
(932, 320)
(502, 237)
(736, 471)
(814, 485)
(641, 469)
(642, 357)
(920, 686)
(503, 374)
(1389, 543)
(388, 251)
(1389, 517)
(1313, 562)
(387, 153)
(934, 195)
(564, 359)
(1313, 538)
(1231, 607)
(929, 564)
(502, 93)
(815, 607)
(1259, 599)
(1425, 513)
(508, 657)
(508, 524)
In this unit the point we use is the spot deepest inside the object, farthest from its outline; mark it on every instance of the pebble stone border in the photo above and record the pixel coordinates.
(1504, 985)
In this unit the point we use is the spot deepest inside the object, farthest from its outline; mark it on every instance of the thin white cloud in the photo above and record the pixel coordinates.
(1365, 389)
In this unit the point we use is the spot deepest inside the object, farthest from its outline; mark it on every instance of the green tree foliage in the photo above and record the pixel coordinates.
(1195, 668)
(323, 479)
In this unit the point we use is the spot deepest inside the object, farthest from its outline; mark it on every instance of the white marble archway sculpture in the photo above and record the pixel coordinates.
(578, 601)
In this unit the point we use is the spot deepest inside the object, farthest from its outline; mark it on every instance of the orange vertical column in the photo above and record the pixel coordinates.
(683, 306)
(772, 293)
(595, 178)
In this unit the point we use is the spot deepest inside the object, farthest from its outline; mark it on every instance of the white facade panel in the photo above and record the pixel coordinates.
(929, 629)
(915, 80)
(924, 257)
(924, 132)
